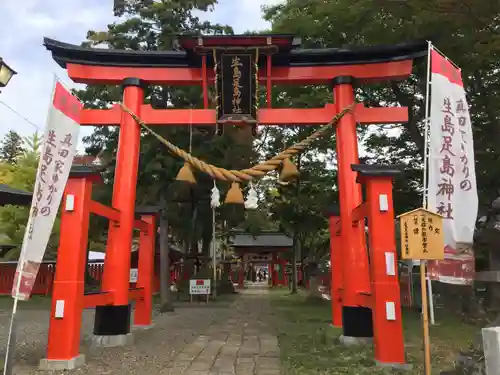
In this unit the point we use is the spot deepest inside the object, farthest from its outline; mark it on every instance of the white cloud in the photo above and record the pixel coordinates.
(242, 15)
(25, 23)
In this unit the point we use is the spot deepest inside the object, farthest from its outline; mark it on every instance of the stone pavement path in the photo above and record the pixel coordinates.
(242, 345)
(223, 339)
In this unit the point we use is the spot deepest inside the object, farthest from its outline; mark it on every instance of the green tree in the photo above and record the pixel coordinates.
(32, 144)
(13, 219)
(298, 208)
(146, 25)
(11, 147)
(466, 31)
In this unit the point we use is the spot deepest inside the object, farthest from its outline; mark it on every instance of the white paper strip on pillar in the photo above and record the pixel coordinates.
(59, 145)
(390, 266)
(70, 203)
(390, 311)
(134, 273)
(383, 202)
(59, 313)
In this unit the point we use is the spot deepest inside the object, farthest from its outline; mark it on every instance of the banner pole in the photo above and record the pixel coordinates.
(425, 198)
(214, 254)
(425, 320)
(427, 123)
(431, 300)
(11, 340)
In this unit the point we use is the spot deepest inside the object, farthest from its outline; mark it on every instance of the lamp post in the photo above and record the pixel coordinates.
(6, 73)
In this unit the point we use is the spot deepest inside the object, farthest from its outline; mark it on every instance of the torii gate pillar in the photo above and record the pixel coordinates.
(356, 315)
(113, 321)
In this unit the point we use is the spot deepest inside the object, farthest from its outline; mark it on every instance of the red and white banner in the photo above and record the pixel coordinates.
(59, 146)
(452, 190)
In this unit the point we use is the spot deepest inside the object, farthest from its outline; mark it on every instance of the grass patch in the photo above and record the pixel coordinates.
(45, 302)
(222, 300)
(309, 345)
(34, 303)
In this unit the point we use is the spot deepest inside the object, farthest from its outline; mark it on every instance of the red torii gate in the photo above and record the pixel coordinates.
(279, 62)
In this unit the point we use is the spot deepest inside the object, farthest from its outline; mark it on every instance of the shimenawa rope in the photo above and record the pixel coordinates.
(249, 174)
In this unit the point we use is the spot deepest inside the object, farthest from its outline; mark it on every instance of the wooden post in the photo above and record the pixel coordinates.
(425, 320)
(241, 275)
(422, 239)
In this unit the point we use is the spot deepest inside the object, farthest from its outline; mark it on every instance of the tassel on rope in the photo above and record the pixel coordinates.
(215, 198)
(252, 200)
(289, 171)
(235, 195)
(186, 174)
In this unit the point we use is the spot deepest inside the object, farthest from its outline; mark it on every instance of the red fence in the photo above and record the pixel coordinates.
(45, 278)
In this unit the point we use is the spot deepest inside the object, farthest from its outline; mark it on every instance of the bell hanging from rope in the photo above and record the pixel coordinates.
(186, 174)
(289, 171)
(235, 195)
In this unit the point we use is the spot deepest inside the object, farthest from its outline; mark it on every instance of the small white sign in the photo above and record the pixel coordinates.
(70, 202)
(59, 313)
(383, 202)
(390, 311)
(390, 267)
(133, 275)
(199, 287)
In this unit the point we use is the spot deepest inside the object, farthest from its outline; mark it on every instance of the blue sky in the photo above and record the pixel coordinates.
(26, 22)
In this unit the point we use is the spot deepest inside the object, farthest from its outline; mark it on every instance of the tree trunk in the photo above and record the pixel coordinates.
(494, 288)
(165, 295)
(295, 237)
(314, 284)
(294, 263)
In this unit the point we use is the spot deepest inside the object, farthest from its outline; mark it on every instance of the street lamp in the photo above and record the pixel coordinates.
(6, 73)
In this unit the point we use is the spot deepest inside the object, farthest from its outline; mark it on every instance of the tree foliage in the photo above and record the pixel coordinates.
(466, 31)
(154, 26)
(11, 147)
(13, 219)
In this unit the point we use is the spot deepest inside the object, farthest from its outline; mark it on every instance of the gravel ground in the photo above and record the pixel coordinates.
(153, 349)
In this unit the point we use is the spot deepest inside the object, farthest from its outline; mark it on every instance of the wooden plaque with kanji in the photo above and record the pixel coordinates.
(421, 235)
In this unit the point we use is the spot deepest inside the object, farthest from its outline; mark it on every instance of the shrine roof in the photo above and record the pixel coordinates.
(9, 195)
(282, 42)
(287, 54)
(148, 210)
(93, 172)
(265, 239)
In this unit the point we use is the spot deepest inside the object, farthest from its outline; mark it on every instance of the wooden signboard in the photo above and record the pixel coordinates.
(236, 83)
(421, 235)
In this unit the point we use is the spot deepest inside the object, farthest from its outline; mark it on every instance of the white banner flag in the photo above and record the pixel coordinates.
(452, 190)
(59, 146)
